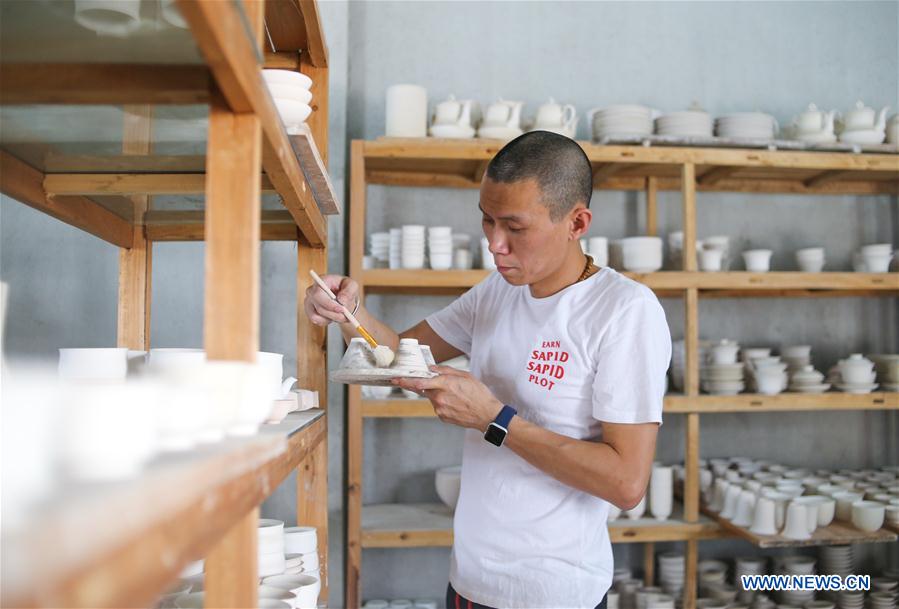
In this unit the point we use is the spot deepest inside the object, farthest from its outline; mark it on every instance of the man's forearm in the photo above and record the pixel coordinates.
(593, 467)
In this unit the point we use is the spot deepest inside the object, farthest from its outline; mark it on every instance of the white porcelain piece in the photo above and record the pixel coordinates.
(757, 261)
(448, 482)
(406, 111)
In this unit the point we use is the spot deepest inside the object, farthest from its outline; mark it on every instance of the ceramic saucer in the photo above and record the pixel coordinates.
(818, 137)
(457, 132)
(499, 133)
(857, 387)
(819, 388)
(863, 136)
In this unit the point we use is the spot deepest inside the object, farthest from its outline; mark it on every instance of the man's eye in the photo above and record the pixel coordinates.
(515, 230)
(486, 220)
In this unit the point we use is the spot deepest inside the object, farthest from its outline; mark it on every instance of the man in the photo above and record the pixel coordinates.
(564, 399)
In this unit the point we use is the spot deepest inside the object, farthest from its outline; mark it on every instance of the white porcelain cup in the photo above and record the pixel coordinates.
(300, 540)
(661, 492)
(598, 248)
(763, 522)
(710, 260)
(757, 261)
(638, 510)
(407, 111)
(487, 261)
(108, 17)
(844, 504)
(462, 259)
(745, 509)
(796, 526)
(731, 502)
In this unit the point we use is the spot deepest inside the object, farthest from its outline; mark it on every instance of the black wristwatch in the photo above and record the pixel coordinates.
(499, 427)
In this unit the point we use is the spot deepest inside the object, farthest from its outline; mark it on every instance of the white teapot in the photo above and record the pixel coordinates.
(504, 113)
(552, 116)
(453, 112)
(863, 118)
(815, 121)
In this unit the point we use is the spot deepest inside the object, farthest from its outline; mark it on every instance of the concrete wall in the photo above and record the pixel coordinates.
(729, 56)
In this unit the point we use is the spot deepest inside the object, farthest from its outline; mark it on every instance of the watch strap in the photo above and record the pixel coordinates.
(505, 416)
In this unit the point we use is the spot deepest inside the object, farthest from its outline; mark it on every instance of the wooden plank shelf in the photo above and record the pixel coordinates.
(681, 404)
(752, 402)
(836, 533)
(119, 544)
(431, 162)
(725, 284)
(431, 525)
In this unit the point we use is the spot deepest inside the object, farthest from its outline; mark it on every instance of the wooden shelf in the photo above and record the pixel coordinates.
(752, 402)
(431, 525)
(120, 544)
(728, 284)
(836, 533)
(43, 171)
(681, 404)
(433, 162)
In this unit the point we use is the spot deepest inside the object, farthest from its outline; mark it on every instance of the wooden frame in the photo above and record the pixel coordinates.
(245, 137)
(460, 164)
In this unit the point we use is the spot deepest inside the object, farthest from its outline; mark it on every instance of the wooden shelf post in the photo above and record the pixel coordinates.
(136, 262)
(232, 566)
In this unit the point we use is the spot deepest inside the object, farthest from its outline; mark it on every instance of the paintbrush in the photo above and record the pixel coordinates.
(383, 354)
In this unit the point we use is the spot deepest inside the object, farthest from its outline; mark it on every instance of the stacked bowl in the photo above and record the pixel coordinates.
(882, 600)
(302, 589)
(301, 543)
(874, 258)
(721, 374)
(713, 253)
(290, 91)
(271, 547)
(808, 380)
(836, 560)
(746, 125)
(767, 375)
(747, 566)
(413, 246)
(671, 573)
(690, 123)
(379, 244)
(440, 247)
(795, 565)
(621, 121)
(395, 249)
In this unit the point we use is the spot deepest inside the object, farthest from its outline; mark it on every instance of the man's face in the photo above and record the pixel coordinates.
(526, 244)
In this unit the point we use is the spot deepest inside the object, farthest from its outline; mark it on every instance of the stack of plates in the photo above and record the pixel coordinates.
(746, 125)
(882, 600)
(671, 573)
(290, 91)
(379, 244)
(690, 123)
(854, 599)
(887, 366)
(621, 120)
(678, 361)
(835, 560)
(747, 566)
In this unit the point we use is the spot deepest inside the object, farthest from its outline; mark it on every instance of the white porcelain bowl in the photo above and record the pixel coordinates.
(641, 254)
(300, 540)
(292, 112)
(288, 77)
(448, 481)
(93, 364)
(286, 91)
(868, 515)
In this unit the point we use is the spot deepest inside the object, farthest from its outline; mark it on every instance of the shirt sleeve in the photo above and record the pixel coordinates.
(633, 359)
(455, 322)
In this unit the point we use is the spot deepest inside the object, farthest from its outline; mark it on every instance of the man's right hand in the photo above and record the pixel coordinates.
(319, 307)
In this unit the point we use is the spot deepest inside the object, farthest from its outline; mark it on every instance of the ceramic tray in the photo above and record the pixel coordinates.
(377, 376)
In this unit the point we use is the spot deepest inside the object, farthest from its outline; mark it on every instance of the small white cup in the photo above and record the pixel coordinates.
(757, 261)
(763, 522)
(710, 260)
(462, 260)
(796, 526)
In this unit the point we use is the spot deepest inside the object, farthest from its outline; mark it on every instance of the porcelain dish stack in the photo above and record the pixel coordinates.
(746, 126)
(694, 122)
(721, 374)
(621, 120)
(855, 374)
(873, 258)
(291, 94)
(887, 370)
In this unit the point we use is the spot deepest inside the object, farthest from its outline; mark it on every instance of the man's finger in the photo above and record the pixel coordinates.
(448, 371)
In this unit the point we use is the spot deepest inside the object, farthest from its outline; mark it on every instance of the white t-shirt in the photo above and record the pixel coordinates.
(596, 351)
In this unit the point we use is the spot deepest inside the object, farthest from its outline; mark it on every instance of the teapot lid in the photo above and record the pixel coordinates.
(812, 107)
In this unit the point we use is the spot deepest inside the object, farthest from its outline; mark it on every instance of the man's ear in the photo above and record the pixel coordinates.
(580, 220)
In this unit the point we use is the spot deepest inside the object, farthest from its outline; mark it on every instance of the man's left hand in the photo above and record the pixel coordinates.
(457, 397)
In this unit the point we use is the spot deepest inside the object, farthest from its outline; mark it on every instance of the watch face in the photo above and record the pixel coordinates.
(495, 434)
